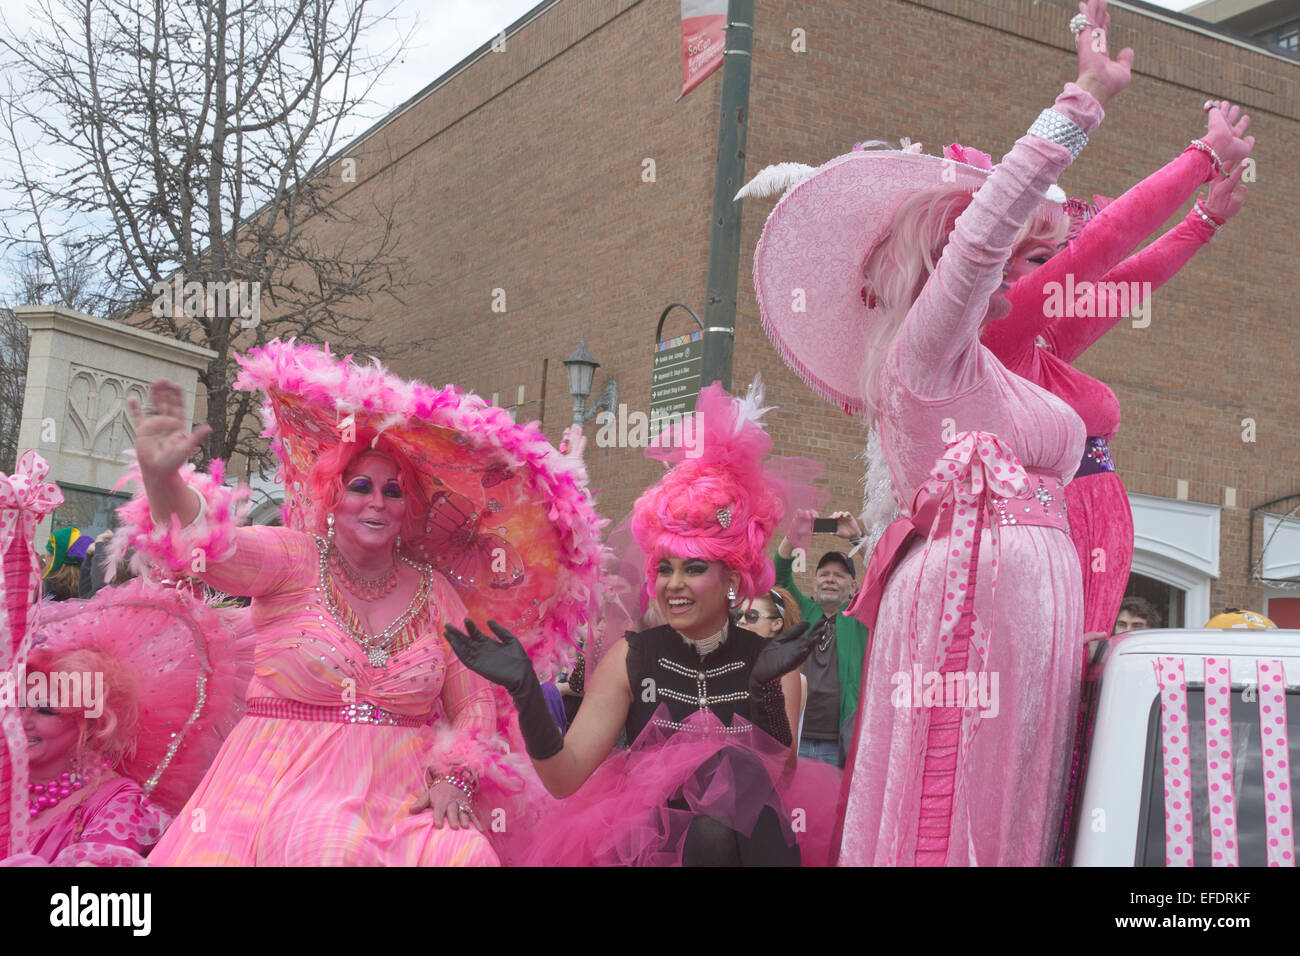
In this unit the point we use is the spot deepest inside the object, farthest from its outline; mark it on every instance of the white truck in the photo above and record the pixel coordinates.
(1142, 751)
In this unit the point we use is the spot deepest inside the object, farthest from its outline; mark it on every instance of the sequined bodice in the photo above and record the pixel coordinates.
(663, 671)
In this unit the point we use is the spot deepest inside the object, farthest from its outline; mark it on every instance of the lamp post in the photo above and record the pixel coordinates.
(581, 366)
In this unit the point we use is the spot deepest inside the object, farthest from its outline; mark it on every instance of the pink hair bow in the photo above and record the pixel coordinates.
(25, 488)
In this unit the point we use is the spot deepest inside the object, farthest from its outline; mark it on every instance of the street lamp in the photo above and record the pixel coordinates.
(581, 366)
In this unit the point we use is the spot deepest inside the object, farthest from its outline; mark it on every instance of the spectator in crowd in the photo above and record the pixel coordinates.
(834, 669)
(1137, 614)
(63, 557)
(769, 614)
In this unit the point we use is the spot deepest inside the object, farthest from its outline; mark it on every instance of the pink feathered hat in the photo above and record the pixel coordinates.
(808, 263)
(192, 664)
(510, 522)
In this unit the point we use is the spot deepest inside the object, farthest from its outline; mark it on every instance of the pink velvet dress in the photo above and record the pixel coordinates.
(954, 785)
(114, 826)
(291, 789)
(1039, 344)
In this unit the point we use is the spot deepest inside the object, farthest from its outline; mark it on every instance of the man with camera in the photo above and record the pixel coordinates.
(834, 669)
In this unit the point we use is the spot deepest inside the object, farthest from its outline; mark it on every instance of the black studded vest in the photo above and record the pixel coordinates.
(663, 670)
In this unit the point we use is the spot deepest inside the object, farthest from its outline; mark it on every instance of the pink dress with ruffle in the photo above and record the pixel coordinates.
(295, 792)
(114, 826)
(930, 785)
(1101, 521)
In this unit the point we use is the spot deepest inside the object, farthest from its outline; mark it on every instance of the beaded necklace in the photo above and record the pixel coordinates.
(377, 646)
(706, 645)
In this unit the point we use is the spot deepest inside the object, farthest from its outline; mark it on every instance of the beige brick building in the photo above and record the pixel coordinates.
(554, 188)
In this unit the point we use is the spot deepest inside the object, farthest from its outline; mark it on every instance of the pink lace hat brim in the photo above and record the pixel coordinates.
(808, 263)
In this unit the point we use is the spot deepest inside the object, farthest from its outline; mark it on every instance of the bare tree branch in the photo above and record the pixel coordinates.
(192, 138)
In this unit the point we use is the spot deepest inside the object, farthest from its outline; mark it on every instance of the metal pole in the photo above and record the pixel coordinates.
(729, 176)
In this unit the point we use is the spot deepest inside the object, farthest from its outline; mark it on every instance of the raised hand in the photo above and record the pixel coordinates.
(1225, 132)
(163, 440)
(784, 653)
(1226, 196)
(505, 663)
(846, 526)
(1098, 73)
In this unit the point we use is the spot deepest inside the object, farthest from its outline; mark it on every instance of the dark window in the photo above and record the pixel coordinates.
(1247, 780)
(1287, 36)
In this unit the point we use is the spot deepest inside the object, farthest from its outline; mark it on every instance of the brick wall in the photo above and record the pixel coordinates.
(524, 173)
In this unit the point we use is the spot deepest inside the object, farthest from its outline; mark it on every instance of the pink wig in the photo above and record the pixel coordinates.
(111, 734)
(897, 269)
(716, 502)
(325, 480)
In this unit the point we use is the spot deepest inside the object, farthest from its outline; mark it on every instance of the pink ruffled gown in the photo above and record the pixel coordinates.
(289, 791)
(1101, 521)
(935, 785)
(114, 826)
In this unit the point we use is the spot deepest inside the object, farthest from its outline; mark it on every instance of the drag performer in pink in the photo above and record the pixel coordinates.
(1040, 339)
(366, 741)
(124, 701)
(974, 596)
(710, 777)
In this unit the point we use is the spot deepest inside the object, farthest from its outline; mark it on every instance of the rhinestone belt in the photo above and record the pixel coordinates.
(362, 712)
(1044, 507)
(1096, 458)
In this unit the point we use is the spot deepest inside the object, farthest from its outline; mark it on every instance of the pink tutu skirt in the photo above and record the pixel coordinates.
(636, 809)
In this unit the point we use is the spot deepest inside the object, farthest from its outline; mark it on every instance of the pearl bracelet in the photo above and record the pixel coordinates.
(1205, 147)
(1200, 211)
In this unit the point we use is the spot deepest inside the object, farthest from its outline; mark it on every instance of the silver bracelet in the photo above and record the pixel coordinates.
(1060, 129)
(1205, 147)
(1200, 211)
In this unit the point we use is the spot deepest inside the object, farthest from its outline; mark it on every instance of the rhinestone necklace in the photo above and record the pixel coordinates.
(375, 645)
(368, 589)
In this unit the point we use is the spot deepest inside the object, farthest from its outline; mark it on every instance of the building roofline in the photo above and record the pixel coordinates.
(1204, 28)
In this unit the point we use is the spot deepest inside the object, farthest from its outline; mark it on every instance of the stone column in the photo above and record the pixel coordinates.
(80, 370)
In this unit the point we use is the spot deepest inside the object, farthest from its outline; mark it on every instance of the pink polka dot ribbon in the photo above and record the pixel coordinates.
(953, 507)
(1177, 761)
(25, 497)
(1278, 830)
(972, 469)
(1218, 762)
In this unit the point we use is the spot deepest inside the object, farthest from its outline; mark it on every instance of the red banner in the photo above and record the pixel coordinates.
(704, 37)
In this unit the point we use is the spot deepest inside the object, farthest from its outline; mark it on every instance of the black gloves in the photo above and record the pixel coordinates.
(780, 656)
(507, 664)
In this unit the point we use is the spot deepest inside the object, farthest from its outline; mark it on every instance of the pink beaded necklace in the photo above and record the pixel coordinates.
(42, 796)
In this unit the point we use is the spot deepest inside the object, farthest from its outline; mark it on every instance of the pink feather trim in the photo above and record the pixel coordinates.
(173, 548)
(318, 377)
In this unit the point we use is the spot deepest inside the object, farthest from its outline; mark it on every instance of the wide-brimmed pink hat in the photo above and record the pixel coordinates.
(808, 264)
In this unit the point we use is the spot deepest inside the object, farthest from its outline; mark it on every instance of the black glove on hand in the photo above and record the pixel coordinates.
(507, 664)
(780, 656)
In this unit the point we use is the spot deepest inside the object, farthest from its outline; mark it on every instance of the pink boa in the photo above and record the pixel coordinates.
(180, 551)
